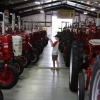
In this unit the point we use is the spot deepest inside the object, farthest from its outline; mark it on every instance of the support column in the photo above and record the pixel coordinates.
(13, 22)
(19, 22)
(3, 24)
(23, 24)
(98, 19)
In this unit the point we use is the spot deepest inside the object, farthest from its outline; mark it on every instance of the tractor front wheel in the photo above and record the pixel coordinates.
(25, 59)
(34, 57)
(18, 64)
(9, 78)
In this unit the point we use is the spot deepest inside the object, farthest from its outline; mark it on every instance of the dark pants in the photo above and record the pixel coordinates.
(54, 57)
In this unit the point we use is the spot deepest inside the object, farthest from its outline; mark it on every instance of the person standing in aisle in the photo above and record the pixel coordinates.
(55, 51)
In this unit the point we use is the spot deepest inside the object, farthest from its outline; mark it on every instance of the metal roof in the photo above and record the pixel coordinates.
(31, 7)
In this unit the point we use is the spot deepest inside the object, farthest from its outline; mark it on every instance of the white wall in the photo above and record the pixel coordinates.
(40, 18)
(82, 18)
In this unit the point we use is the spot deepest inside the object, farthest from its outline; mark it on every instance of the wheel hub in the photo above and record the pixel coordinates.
(23, 60)
(6, 78)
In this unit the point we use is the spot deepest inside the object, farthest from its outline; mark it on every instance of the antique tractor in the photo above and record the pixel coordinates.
(24, 57)
(17, 51)
(33, 52)
(66, 38)
(87, 42)
(8, 72)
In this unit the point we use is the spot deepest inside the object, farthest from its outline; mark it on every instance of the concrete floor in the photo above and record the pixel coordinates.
(40, 82)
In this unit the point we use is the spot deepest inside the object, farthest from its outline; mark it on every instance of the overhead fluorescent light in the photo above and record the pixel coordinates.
(85, 12)
(96, 2)
(93, 9)
(11, 14)
(88, 2)
(40, 7)
(37, 2)
(42, 11)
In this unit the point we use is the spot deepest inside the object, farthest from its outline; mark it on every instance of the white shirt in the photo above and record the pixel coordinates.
(55, 48)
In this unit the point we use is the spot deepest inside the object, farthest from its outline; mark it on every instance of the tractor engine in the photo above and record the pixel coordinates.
(17, 45)
(6, 47)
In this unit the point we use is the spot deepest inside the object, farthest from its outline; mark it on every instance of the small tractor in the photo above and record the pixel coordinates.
(8, 72)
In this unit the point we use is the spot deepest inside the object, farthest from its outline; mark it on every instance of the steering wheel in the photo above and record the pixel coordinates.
(75, 24)
(82, 23)
(89, 20)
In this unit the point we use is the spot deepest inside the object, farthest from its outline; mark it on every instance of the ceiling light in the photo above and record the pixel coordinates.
(37, 2)
(88, 2)
(42, 11)
(11, 14)
(93, 9)
(99, 4)
(25, 0)
(96, 2)
(85, 12)
(40, 7)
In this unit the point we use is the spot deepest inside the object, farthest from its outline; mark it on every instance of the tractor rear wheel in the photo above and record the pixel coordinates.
(8, 79)
(76, 61)
(95, 81)
(66, 53)
(1, 95)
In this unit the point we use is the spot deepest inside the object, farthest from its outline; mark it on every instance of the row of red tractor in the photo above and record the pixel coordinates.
(17, 50)
(80, 45)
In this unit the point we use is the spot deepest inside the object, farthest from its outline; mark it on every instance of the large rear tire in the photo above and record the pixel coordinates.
(95, 81)
(1, 95)
(10, 79)
(66, 53)
(76, 61)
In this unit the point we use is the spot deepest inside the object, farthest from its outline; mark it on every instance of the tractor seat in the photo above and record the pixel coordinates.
(94, 41)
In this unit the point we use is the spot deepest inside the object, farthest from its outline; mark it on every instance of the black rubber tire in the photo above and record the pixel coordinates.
(44, 41)
(36, 57)
(15, 77)
(81, 86)
(66, 54)
(39, 48)
(28, 59)
(76, 61)
(20, 66)
(95, 79)
(1, 95)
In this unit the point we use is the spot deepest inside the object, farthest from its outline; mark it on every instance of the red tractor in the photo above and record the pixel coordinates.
(32, 50)
(84, 49)
(8, 72)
